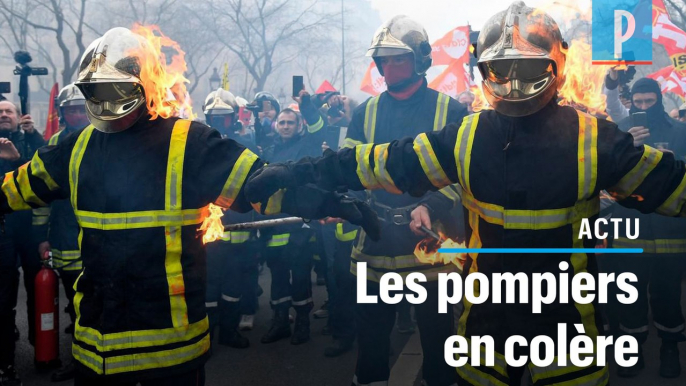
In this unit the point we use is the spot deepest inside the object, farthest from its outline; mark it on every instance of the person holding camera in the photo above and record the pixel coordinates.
(663, 239)
(617, 93)
(265, 107)
(18, 134)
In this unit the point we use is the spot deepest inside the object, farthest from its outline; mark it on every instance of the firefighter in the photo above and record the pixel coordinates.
(140, 182)
(402, 53)
(663, 240)
(231, 261)
(55, 228)
(530, 171)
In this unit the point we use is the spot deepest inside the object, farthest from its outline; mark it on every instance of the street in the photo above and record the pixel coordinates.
(282, 364)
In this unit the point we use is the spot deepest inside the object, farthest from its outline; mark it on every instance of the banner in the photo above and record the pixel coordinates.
(669, 35)
(452, 81)
(53, 124)
(671, 80)
(324, 87)
(451, 47)
(373, 83)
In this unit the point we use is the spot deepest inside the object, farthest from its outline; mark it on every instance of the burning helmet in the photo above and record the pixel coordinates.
(521, 57)
(220, 107)
(402, 35)
(109, 77)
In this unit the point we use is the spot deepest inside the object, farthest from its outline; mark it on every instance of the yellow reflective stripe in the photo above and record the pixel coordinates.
(75, 163)
(478, 377)
(370, 118)
(474, 242)
(429, 271)
(9, 188)
(142, 219)
(38, 170)
(350, 143)
(628, 184)
(596, 378)
(389, 263)
(65, 255)
(238, 237)
(345, 236)
(652, 246)
(452, 192)
(588, 155)
(41, 216)
(87, 358)
(580, 262)
(427, 158)
(674, 204)
(237, 177)
(278, 240)
(274, 203)
(499, 362)
(364, 171)
(463, 148)
(54, 138)
(380, 171)
(317, 126)
(25, 186)
(172, 202)
(155, 360)
(555, 370)
(531, 219)
(140, 338)
(441, 116)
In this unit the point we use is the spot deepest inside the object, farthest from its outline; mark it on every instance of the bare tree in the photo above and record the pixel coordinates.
(677, 12)
(66, 22)
(260, 32)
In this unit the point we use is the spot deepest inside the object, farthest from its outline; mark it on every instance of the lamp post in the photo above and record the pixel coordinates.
(215, 80)
(343, 45)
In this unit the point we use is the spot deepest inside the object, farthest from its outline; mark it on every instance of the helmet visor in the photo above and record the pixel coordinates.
(518, 78)
(112, 100)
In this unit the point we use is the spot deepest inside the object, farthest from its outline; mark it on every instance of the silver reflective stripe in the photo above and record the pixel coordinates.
(230, 299)
(675, 202)
(211, 304)
(282, 300)
(630, 182)
(427, 158)
(633, 330)
(652, 246)
(144, 219)
(678, 328)
(441, 111)
(463, 136)
(370, 119)
(158, 359)
(588, 127)
(302, 302)
(380, 172)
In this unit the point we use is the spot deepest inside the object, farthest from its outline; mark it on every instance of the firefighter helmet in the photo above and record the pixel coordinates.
(264, 96)
(402, 35)
(109, 78)
(70, 95)
(220, 102)
(521, 57)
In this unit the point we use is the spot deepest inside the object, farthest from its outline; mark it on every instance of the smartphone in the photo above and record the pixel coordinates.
(297, 85)
(639, 119)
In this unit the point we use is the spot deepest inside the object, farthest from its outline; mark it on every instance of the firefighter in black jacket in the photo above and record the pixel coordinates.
(402, 54)
(530, 172)
(140, 183)
(55, 228)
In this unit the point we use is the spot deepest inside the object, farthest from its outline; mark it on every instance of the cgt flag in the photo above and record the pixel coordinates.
(669, 35)
(671, 80)
(373, 83)
(451, 47)
(452, 81)
(53, 124)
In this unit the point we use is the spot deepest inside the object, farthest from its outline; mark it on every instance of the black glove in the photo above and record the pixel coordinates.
(311, 202)
(267, 180)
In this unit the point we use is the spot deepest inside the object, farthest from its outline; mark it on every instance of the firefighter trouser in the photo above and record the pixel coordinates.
(228, 281)
(291, 285)
(68, 280)
(375, 323)
(9, 286)
(192, 378)
(342, 296)
(659, 288)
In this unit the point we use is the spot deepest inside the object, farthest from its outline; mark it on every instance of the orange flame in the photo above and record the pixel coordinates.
(480, 102)
(212, 226)
(426, 251)
(163, 80)
(583, 87)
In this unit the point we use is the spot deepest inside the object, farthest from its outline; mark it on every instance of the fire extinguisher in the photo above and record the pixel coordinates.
(47, 316)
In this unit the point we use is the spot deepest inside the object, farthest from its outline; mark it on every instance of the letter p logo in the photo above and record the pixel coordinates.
(622, 32)
(619, 37)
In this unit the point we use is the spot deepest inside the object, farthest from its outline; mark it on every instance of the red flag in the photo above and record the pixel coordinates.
(671, 80)
(53, 124)
(324, 87)
(453, 46)
(452, 81)
(373, 83)
(669, 35)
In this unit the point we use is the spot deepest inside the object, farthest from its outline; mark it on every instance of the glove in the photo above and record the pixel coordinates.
(267, 180)
(311, 202)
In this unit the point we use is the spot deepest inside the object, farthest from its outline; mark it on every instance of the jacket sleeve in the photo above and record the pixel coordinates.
(641, 178)
(40, 181)
(615, 109)
(355, 134)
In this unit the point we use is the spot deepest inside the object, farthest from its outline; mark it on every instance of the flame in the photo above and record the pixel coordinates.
(163, 80)
(480, 102)
(212, 226)
(426, 251)
(583, 85)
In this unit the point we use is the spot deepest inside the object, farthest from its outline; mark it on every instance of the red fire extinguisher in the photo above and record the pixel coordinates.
(47, 316)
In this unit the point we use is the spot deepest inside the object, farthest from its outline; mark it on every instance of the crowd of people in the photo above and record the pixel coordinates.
(146, 297)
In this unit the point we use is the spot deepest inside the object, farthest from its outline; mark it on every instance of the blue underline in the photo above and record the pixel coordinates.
(540, 250)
